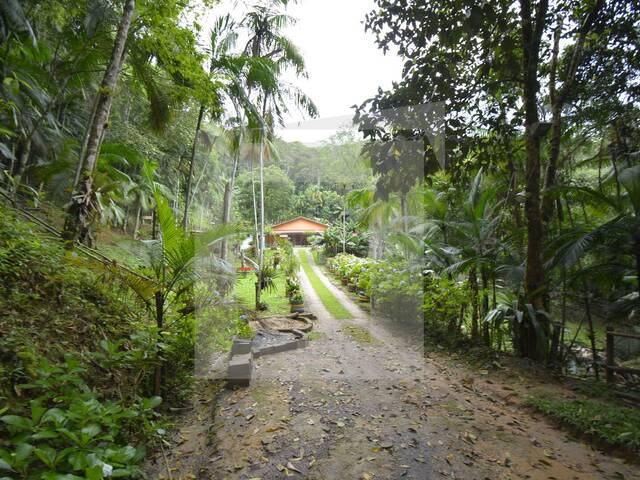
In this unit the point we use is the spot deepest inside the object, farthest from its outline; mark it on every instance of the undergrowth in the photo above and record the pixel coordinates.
(619, 427)
(77, 355)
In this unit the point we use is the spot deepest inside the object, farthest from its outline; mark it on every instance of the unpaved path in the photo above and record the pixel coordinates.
(347, 409)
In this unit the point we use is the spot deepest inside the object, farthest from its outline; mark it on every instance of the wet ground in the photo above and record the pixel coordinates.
(354, 406)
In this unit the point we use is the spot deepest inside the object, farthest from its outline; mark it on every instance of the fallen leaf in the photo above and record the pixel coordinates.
(291, 467)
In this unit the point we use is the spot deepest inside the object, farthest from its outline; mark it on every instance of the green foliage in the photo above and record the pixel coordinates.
(321, 204)
(354, 270)
(444, 299)
(67, 429)
(356, 241)
(46, 296)
(278, 194)
(618, 426)
(243, 330)
(397, 289)
(74, 346)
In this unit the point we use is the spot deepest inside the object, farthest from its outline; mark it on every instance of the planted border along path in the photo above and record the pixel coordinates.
(328, 299)
(348, 407)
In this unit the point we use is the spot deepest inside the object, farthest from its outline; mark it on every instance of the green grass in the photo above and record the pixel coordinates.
(277, 302)
(315, 335)
(328, 299)
(615, 425)
(359, 334)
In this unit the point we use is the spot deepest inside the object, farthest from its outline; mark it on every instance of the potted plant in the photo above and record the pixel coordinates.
(297, 302)
(292, 287)
(364, 285)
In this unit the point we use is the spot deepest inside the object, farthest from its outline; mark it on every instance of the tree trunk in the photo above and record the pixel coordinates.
(485, 306)
(125, 221)
(534, 273)
(226, 214)
(154, 224)
(136, 225)
(473, 284)
(157, 384)
(228, 200)
(82, 208)
(405, 212)
(558, 98)
(636, 252)
(261, 233)
(256, 240)
(187, 194)
(23, 160)
(552, 165)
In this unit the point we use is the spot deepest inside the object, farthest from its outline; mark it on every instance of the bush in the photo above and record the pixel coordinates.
(394, 286)
(442, 306)
(49, 307)
(77, 353)
(397, 289)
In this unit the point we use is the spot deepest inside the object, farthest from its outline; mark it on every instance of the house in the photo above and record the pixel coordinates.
(297, 230)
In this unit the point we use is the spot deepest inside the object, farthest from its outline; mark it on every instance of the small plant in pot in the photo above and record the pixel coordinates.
(292, 287)
(297, 302)
(362, 296)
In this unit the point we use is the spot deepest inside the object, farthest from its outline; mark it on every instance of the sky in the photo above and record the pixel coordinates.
(344, 65)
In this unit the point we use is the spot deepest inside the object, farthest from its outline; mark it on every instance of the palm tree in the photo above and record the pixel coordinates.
(272, 54)
(167, 268)
(79, 216)
(614, 245)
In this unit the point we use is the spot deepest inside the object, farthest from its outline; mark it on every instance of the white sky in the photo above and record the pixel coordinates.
(344, 64)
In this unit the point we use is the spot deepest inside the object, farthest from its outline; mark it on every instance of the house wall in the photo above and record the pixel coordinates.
(299, 225)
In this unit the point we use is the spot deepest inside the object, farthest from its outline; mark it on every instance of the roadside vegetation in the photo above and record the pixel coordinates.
(618, 427)
(328, 299)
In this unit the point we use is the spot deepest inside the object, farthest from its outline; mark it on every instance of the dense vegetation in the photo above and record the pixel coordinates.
(491, 197)
(76, 371)
(536, 208)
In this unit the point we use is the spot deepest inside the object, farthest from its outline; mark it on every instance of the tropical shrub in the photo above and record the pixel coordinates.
(397, 289)
(443, 307)
(356, 241)
(292, 287)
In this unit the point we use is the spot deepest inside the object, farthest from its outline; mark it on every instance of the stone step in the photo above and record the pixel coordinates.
(241, 347)
(240, 370)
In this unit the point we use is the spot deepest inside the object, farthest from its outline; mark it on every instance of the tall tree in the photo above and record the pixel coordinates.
(485, 62)
(79, 216)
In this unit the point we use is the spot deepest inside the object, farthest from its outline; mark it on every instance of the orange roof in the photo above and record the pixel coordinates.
(299, 225)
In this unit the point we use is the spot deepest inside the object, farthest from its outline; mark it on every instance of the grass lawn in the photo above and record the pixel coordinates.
(245, 291)
(329, 300)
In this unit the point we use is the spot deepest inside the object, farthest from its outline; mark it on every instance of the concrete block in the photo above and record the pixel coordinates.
(281, 347)
(240, 370)
(240, 347)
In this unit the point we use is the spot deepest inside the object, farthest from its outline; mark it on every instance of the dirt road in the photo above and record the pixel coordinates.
(353, 406)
